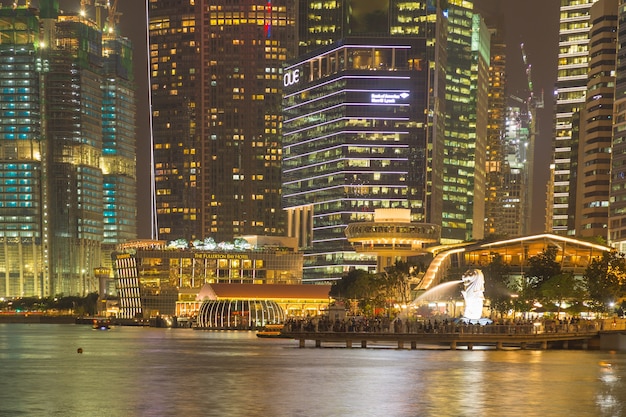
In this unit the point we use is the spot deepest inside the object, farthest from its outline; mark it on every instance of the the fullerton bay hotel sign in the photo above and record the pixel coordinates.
(205, 255)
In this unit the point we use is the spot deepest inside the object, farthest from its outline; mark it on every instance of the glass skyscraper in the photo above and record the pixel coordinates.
(345, 155)
(54, 119)
(23, 265)
(118, 141)
(467, 80)
(354, 140)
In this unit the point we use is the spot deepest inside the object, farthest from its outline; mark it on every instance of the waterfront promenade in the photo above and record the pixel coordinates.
(36, 318)
(548, 334)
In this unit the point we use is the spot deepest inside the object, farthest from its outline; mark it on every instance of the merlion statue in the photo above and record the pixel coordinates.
(473, 293)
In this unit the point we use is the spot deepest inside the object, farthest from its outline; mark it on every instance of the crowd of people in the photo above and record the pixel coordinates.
(384, 324)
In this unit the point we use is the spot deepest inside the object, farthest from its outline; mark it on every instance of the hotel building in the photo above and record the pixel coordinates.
(216, 90)
(596, 124)
(151, 277)
(570, 94)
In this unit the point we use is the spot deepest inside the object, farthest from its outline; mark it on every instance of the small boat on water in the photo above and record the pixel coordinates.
(271, 330)
(101, 324)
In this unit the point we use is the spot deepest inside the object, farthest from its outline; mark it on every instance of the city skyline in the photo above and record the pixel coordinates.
(520, 19)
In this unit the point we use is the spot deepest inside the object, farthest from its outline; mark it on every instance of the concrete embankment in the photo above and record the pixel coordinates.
(36, 318)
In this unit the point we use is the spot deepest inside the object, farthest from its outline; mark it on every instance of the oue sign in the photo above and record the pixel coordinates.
(291, 77)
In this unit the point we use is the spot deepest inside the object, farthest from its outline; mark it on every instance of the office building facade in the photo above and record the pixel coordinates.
(454, 63)
(23, 266)
(570, 93)
(320, 26)
(354, 140)
(216, 89)
(467, 77)
(495, 164)
(617, 201)
(596, 124)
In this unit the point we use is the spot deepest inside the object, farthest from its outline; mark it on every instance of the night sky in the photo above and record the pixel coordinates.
(532, 22)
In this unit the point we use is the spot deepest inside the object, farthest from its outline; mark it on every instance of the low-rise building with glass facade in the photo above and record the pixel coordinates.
(151, 277)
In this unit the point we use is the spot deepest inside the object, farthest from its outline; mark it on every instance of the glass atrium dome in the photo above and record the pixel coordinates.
(239, 314)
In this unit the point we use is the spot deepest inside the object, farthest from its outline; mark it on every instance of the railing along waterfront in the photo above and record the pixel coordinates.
(519, 334)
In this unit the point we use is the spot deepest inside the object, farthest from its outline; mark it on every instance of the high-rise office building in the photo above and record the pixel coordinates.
(495, 165)
(450, 167)
(355, 140)
(617, 202)
(74, 130)
(118, 141)
(54, 120)
(216, 89)
(23, 265)
(571, 87)
(426, 19)
(596, 124)
(465, 125)
(514, 194)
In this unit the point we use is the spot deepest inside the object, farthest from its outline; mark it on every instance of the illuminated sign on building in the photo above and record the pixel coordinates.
(291, 77)
(387, 98)
(220, 256)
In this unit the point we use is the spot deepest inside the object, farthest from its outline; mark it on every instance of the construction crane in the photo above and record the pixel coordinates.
(535, 102)
(98, 4)
(113, 17)
(532, 103)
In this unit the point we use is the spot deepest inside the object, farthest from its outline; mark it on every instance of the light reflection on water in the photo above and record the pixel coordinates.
(129, 371)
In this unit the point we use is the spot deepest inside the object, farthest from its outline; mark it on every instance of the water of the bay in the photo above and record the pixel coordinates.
(133, 371)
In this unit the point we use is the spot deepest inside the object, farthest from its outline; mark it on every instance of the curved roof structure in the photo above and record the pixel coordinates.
(239, 314)
(572, 254)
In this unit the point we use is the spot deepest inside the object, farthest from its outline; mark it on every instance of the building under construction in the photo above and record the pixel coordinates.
(67, 140)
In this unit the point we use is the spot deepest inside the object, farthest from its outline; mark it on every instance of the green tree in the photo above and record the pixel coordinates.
(496, 284)
(541, 268)
(605, 278)
(395, 281)
(359, 285)
(561, 288)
